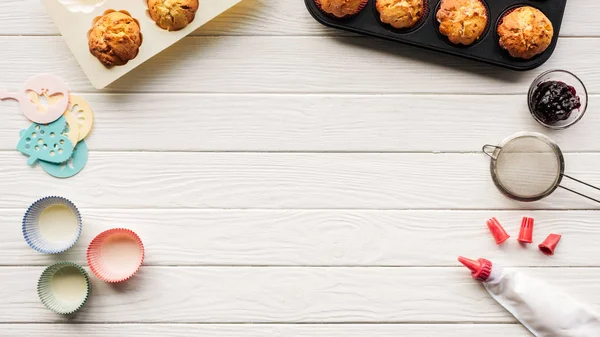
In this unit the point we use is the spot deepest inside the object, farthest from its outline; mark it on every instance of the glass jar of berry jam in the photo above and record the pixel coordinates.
(557, 99)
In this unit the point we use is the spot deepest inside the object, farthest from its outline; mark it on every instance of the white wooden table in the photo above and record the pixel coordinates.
(285, 176)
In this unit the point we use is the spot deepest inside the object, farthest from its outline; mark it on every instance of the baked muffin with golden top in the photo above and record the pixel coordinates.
(173, 15)
(525, 32)
(462, 21)
(401, 14)
(115, 38)
(341, 8)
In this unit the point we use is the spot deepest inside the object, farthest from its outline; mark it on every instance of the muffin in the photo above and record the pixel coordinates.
(115, 38)
(172, 15)
(525, 32)
(401, 14)
(462, 21)
(341, 8)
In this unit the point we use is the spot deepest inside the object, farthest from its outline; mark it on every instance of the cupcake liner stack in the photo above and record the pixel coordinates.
(53, 225)
(55, 139)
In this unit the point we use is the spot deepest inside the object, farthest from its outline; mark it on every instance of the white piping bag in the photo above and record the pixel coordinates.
(541, 308)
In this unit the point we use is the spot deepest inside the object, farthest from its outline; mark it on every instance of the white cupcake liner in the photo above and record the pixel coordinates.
(48, 297)
(31, 230)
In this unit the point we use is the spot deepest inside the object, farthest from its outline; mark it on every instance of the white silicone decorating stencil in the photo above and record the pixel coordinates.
(74, 19)
(54, 90)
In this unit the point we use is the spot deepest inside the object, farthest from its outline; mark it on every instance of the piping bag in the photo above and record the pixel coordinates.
(541, 308)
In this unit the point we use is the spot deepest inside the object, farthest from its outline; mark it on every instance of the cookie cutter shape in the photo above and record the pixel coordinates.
(82, 112)
(43, 85)
(46, 142)
(115, 255)
(72, 166)
(52, 225)
(64, 287)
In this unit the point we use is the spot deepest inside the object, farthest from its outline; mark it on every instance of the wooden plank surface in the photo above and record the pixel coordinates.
(317, 123)
(296, 65)
(320, 238)
(235, 180)
(291, 294)
(266, 330)
(293, 180)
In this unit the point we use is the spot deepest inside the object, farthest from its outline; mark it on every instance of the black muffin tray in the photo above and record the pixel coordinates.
(426, 34)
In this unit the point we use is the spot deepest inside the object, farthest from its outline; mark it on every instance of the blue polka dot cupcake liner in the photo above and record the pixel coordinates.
(52, 225)
(64, 287)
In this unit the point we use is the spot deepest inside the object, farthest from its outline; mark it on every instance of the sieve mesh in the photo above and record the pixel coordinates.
(528, 167)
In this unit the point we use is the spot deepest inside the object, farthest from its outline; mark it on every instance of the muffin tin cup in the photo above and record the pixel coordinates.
(511, 9)
(50, 293)
(422, 21)
(360, 9)
(486, 31)
(427, 35)
(36, 230)
(111, 245)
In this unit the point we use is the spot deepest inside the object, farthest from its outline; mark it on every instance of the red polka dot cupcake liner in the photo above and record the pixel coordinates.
(115, 255)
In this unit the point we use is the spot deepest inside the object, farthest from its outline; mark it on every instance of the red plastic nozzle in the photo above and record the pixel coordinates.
(547, 247)
(480, 269)
(497, 231)
(526, 232)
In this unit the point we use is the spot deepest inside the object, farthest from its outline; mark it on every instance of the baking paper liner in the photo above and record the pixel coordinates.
(50, 294)
(419, 23)
(477, 40)
(39, 241)
(115, 255)
(501, 21)
(506, 12)
(360, 9)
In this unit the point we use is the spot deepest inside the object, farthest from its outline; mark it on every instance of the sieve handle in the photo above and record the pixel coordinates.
(486, 151)
(579, 193)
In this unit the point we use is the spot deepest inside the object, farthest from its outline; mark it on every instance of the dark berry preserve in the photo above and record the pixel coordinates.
(554, 101)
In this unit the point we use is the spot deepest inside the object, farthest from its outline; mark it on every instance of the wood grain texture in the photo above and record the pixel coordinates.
(273, 295)
(261, 17)
(398, 123)
(295, 65)
(281, 172)
(265, 330)
(282, 180)
(321, 238)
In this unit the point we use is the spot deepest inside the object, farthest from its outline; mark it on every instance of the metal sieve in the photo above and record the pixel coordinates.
(529, 166)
